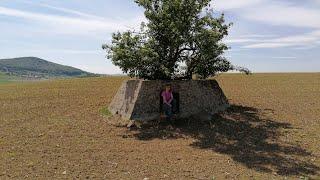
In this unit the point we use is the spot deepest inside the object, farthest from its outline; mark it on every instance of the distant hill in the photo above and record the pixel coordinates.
(36, 68)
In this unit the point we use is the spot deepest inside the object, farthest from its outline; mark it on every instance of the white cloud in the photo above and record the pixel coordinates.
(107, 69)
(276, 13)
(256, 36)
(233, 4)
(303, 40)
(240, 40)
(71, 11)
(246, 39)
(62, 9)
(284, 57)
(71, 25)
(66, 51)
(316, 1)
(268, 45)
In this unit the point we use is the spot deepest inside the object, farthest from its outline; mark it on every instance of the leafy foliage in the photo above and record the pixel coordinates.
(181, 38)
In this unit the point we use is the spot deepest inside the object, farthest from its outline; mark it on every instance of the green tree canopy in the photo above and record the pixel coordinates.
(179, 39)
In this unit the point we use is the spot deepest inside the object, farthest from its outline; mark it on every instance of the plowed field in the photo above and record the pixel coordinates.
(55, 129)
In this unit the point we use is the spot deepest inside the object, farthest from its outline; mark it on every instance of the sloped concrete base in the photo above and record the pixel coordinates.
(141, 100)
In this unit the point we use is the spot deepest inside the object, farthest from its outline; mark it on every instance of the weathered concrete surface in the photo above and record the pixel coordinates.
(140, 99)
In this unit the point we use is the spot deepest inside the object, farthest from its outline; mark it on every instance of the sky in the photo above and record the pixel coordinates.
(266, 36)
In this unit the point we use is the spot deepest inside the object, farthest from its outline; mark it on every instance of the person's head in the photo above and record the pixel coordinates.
(168, 87)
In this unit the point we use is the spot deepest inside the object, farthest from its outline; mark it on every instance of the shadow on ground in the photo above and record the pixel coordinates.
(243, 135)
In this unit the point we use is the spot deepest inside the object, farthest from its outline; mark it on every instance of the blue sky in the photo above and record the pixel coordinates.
(267, 35)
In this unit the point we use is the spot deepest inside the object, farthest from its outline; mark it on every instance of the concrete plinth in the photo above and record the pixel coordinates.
(141, 100)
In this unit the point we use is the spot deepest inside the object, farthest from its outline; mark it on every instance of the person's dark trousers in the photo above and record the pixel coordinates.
(168, 111)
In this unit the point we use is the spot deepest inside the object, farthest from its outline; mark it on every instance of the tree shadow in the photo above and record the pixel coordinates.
(242, 134)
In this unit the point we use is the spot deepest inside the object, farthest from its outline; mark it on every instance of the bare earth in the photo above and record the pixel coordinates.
(54, 129)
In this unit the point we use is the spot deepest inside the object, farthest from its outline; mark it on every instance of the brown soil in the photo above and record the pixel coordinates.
(55, 129)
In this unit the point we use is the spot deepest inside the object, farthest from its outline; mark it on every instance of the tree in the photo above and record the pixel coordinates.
(179, 39)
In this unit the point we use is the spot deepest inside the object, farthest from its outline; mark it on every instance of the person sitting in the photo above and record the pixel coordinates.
(167, 105)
